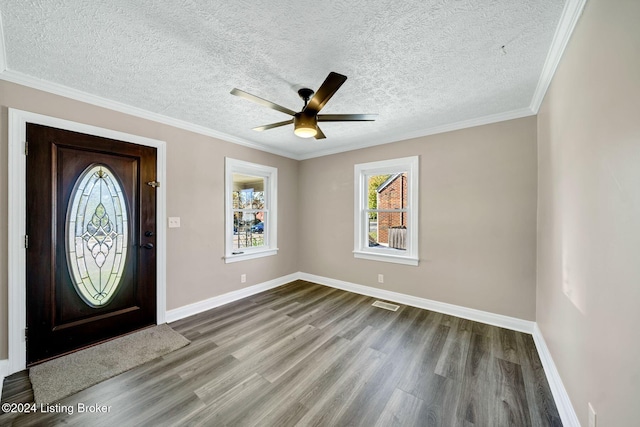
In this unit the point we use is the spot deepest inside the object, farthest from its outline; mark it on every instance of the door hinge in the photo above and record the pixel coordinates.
(153, 184)
(26, 334)
(26, 148)
(26, 241)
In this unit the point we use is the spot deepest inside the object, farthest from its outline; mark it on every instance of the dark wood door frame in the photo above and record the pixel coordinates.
(113, 232)
(17, 220)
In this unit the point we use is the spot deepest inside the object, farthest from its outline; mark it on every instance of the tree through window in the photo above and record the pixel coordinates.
(386, 218)
(251, 210)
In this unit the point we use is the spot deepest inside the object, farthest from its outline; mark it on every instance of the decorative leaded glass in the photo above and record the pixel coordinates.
(97, 235)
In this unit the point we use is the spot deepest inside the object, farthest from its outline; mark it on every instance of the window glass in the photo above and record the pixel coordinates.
(97, 234)
(386, 210)
(251, 210)
(248, 211)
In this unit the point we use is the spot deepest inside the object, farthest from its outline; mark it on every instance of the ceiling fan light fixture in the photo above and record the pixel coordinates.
(305, 126)
(304, 132)
(305, 123)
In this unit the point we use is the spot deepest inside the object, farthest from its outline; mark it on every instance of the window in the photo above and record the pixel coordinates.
(96, 235)
(250, 218)
(386, 211)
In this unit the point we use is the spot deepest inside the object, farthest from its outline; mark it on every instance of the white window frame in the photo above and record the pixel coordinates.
(410, 165)
(270, 175)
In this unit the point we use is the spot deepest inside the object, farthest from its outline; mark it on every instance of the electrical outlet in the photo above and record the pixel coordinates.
(243, 278)
(174, 222)
(380, 278)
(592, 416)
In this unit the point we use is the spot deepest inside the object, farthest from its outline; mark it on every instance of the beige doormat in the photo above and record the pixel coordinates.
(66, 375)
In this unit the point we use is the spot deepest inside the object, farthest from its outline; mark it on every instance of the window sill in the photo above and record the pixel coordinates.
(250, 255)
(386, 258)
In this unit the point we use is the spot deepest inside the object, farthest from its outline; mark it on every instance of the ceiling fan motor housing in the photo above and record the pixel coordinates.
(305, 125)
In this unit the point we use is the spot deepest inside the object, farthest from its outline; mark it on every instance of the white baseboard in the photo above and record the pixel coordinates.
(563, 402)
(4, 369)
(441, 307)
(502, 321)
(208, 304)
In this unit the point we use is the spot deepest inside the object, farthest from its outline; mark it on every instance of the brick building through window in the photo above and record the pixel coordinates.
(392, 194)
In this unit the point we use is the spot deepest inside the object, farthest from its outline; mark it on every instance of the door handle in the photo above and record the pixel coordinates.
(147, 246)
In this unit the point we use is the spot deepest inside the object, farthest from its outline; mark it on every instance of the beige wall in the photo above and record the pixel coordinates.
(478, 213)
(477, 218)
(588, 292)
(195, 193)
(485, 260)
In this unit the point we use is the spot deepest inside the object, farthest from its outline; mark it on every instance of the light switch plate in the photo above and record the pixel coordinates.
(174, 222)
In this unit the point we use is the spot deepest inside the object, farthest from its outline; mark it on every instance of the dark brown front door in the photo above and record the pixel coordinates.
(91, 225)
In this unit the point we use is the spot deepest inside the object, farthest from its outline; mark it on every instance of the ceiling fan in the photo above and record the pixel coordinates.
(305, 122)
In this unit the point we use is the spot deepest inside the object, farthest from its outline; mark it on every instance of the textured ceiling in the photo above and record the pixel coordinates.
(420, 64)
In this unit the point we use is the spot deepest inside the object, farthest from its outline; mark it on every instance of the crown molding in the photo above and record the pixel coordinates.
(570, 15)
(78, 95)
(568, 20)
(480, 121)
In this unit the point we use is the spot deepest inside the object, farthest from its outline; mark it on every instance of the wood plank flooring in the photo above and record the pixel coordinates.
(309, 355)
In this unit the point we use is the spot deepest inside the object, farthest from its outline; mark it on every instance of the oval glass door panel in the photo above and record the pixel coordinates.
(97, 233)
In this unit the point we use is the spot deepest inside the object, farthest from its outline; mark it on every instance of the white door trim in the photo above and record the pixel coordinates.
(17, 292)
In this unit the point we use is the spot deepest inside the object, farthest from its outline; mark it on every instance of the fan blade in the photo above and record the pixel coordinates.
(273, 125)
(263, 102)
(320, 134)
(347, 117)
(328, 88)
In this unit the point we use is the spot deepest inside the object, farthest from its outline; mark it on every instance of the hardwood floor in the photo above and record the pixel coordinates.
(308, 355)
